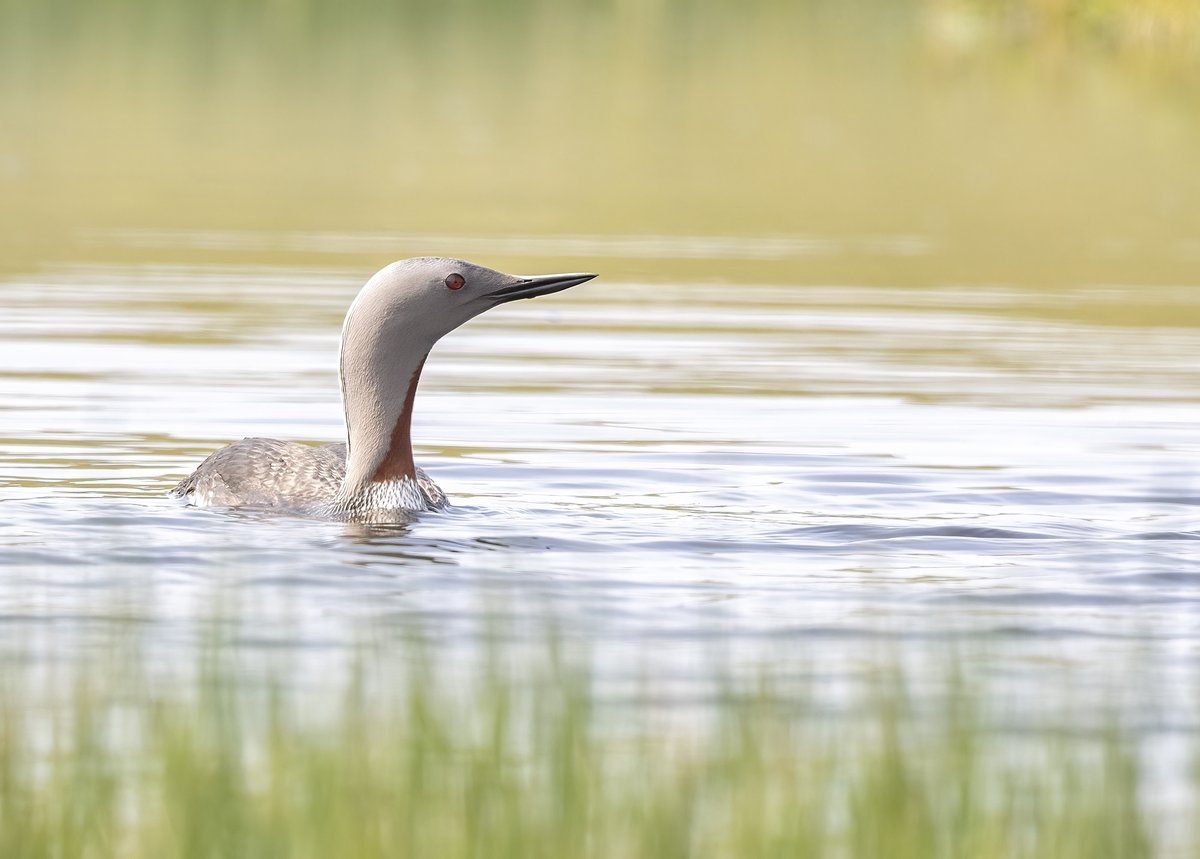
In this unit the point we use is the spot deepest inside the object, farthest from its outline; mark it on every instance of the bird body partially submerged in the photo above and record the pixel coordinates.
(397, 317)
(268, 473)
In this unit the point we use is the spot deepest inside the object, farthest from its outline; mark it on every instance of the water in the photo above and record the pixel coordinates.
(782, 467)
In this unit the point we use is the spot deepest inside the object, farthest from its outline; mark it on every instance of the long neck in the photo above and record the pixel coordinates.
(398, 463)
(379, 375)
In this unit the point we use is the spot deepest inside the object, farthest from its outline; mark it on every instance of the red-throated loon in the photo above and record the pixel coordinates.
(397, 317)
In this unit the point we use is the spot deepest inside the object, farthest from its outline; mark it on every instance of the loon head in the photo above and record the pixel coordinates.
(397, 317)
(416, 302)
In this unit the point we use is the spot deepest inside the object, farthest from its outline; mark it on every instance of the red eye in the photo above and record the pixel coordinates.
(455, 281)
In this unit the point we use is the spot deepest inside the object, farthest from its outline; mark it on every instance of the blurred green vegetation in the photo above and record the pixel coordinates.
(1029, 141)
(521, 757)
(1164, 34)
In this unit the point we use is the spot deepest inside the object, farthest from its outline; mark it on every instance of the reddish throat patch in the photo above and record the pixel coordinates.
(398, 463)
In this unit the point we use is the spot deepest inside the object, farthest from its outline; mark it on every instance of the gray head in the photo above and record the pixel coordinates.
(423, 299)
(401, 312)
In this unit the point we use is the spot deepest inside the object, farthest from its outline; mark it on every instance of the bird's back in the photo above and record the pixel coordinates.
(266, 472)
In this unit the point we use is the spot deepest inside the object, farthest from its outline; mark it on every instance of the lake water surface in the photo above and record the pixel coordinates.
(786, 469)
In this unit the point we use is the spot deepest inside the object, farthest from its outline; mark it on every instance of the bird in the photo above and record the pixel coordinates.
(390, 328)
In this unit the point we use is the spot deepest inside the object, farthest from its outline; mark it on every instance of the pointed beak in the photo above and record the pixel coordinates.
(542, 284)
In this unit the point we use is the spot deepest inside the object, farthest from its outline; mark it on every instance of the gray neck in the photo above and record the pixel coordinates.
(379, 375)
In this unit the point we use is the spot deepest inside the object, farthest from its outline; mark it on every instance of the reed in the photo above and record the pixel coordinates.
(416, 757)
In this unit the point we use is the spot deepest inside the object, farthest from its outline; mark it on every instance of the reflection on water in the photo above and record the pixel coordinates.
(692, 459)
